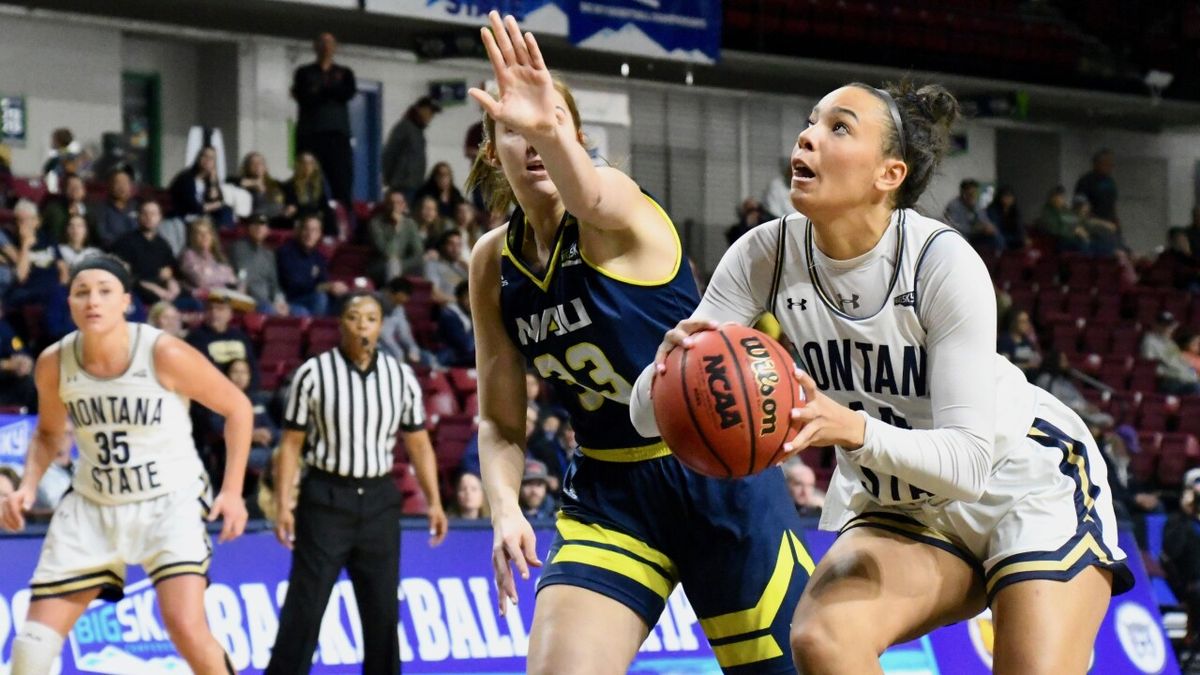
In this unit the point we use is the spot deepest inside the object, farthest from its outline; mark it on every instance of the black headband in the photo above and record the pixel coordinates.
(103, 262)
(895, 112)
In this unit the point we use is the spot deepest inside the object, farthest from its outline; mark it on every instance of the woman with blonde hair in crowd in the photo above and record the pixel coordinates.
(266, 193)
(203, 263)
(165, 317)
(307, 192)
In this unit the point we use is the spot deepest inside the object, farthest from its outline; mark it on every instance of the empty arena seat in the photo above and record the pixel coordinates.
(464, 380)
(1143, 376)
(441, 403)
(1156, 411)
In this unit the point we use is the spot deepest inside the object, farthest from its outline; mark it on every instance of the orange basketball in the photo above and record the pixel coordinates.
(723, 406)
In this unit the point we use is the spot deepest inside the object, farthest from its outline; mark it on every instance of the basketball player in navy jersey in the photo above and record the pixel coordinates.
(958, 483)
(580, 285)
(140, 494)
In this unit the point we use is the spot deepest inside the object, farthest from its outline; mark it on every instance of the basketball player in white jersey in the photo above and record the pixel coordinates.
(958, 483)
(139, 494)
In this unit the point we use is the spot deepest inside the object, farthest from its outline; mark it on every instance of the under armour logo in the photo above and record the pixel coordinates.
(802, 303)
(853, 300)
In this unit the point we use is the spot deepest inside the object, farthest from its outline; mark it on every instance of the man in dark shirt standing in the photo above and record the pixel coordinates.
(149, 257)
(404, 157)
(322, 90)
(1099, 186)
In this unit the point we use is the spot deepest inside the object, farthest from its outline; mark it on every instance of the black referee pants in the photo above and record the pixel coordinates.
(342, 523)
(333, 152)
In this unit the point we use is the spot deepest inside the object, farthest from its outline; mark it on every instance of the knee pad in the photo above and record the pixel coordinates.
(35, 648)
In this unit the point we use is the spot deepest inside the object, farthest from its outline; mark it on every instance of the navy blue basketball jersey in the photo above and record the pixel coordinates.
(588, 331)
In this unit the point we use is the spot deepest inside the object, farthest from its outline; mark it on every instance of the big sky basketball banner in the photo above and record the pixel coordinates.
(15, 434)
(682, 30)
(449, 622)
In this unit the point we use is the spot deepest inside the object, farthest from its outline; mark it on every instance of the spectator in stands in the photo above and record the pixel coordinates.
(36, 266)
(16, 368)
(404, 156)
(777, 197)
(1018, 342)
(266, 193)
(430, 222)
(398, 244)
(220, 341)
(1193, 229)
(254, 263)
(964, 214)
(306, 192)
(1061, 223)
(446, 269)
(59, 208)
(74, 246)
(304, 271)
(1131, 498)
(440, 186)
(802, 482)
(468, 223)
(266, 433)
(456, 332)
(1056, 378)
(1175, 376)
(1189, 349)
(1099, 186)
(149, 258)
(203, 267)
(9, 481)
(322, 91)
(546, 446)
(1177, 261)
(1181, 545)
(1104, 237)
(469, 503)
(166, 318)
(536, 501)
(533, 391)
(196, 191)
(396, 333)
(63, 159)
(750, 215)
(118, 215)
(1004, 214)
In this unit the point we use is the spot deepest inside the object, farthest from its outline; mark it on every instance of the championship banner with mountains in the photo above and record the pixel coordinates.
(680, 30)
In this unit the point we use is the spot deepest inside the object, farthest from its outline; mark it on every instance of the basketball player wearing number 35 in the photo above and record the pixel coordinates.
(140, 495)
(581, 284)
(958, 482)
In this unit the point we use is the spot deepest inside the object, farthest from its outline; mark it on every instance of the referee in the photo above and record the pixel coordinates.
(344, 408)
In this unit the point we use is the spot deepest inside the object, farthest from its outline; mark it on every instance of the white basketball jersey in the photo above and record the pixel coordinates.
(878, 362)
(134, 436)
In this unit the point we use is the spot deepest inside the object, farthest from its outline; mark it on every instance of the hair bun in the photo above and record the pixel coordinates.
(939, 104)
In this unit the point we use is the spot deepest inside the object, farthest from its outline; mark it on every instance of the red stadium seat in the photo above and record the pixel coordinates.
(1156, 411)
(1144, 464)
(279, 352)
(1189, 415)
(1144, 377)
(1097, 337)
(441, 403)
(464, 380)
(435, 382)
(471, 406)
(322, 338)
(32, 189)
(1125, 341)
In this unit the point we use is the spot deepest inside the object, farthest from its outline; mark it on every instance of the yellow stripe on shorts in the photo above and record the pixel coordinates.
(762, 615)
(638, 454)
(1087, 543)
(574, 530)
(75, 584)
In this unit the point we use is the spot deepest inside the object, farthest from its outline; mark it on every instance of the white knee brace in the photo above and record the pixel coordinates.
(34, 650)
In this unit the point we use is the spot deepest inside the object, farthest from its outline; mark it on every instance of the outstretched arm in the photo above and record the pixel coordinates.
(529, 105)
(187, 372)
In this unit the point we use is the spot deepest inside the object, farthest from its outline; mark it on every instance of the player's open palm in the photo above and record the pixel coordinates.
(528, 102)
(12, 511)
(514, 545)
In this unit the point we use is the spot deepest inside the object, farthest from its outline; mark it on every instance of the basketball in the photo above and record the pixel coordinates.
(723, 406)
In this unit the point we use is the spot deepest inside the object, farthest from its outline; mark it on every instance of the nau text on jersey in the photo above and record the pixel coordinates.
(557, 320)
(115, 410)
(883, 371)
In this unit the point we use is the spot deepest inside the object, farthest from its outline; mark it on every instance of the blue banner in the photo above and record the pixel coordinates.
(544, 17)
(15, 434)
(449, 622)
(682, 30)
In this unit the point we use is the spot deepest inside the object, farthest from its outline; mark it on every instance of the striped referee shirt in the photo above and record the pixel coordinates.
(351, 416)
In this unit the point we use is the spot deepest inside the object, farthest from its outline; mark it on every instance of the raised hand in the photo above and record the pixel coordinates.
(528, 102)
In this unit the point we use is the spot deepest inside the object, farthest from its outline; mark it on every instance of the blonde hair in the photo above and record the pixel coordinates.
(215, 247)
(490, 178)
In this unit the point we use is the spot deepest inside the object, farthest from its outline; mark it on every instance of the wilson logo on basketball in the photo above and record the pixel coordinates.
(722, 391)
(767, 377)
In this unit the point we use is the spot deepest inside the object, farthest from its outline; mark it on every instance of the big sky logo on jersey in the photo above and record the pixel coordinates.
(560, 319)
